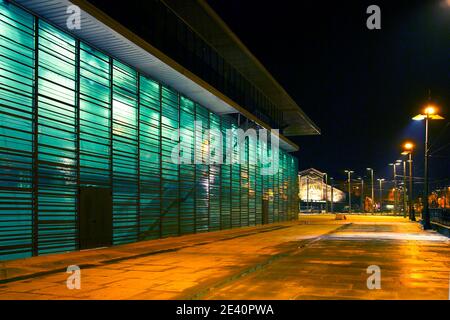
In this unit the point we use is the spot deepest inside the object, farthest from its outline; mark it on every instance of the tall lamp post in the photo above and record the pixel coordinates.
(372, 193)
(394, 165)
(429, 114)
(399, 189)
(332, 199)
(405, 205)
(307, 193)
(381, 193)
(349, 173)
(326, 192)
(408, 148)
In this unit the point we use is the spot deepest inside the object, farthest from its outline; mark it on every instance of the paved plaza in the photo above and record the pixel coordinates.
(315, 257)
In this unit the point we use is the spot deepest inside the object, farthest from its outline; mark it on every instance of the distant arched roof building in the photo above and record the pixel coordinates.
(313, 188)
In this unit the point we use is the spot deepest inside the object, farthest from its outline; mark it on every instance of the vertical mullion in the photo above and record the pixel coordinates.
(220, 173)
(261, 179)
(232, 170)
(231, 155)
(138, 218)
(240, 172)
(179, 165)
(209, 170)
(111, 131)
(77, 143)
(195, 168)
(247, 164)
(35, 227)
(160, 162)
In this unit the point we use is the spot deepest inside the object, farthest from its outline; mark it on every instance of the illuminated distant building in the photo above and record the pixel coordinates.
(314, 193)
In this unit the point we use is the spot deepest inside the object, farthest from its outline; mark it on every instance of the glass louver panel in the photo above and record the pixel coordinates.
(244, 181)
(56, 140)
(252, 167)
(258, 186)
(150, 158)
(225, 175)
(95, 118)
(202, 169)
(235, 178)
(17, 53)
(187, 168)
(215, 153)
(169, 170)
(125, 153)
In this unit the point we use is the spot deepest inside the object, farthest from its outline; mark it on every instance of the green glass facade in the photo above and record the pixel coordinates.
(71, 116)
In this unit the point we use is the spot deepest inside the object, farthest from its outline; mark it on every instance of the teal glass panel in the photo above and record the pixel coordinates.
(281, 188)
(270, 189)
(258, 185)
(57, 154)
(276, 195)
(95, 118)
(225, 176)
(244, 183)
(267, 182)
(169, 171)
(125, 153)
(252, 180)
(150, 158)
(215, 153)
(187, 169)
(235, 178)
(202, 170)
(16, 131)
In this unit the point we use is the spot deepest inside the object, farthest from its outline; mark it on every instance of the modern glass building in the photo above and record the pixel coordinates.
(87, 123)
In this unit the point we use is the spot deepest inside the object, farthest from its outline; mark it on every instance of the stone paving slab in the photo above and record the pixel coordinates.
(316, 257)
(414, 265)
(57, 262)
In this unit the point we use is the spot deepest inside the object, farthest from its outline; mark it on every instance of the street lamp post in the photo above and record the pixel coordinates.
(307, 193)
(412, 213)
(372, 193)
(362, 193)
(426, 211)
(381, 194)
(394, 165)
(408, 148)
(404, 189)
(326, 192)
(332, 199)
(398, 190)
(429, 114)
(349, 172)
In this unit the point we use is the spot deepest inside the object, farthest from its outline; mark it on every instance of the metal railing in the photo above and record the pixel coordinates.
(441, 216)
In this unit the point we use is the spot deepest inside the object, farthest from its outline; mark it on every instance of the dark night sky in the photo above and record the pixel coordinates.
(361, 87)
